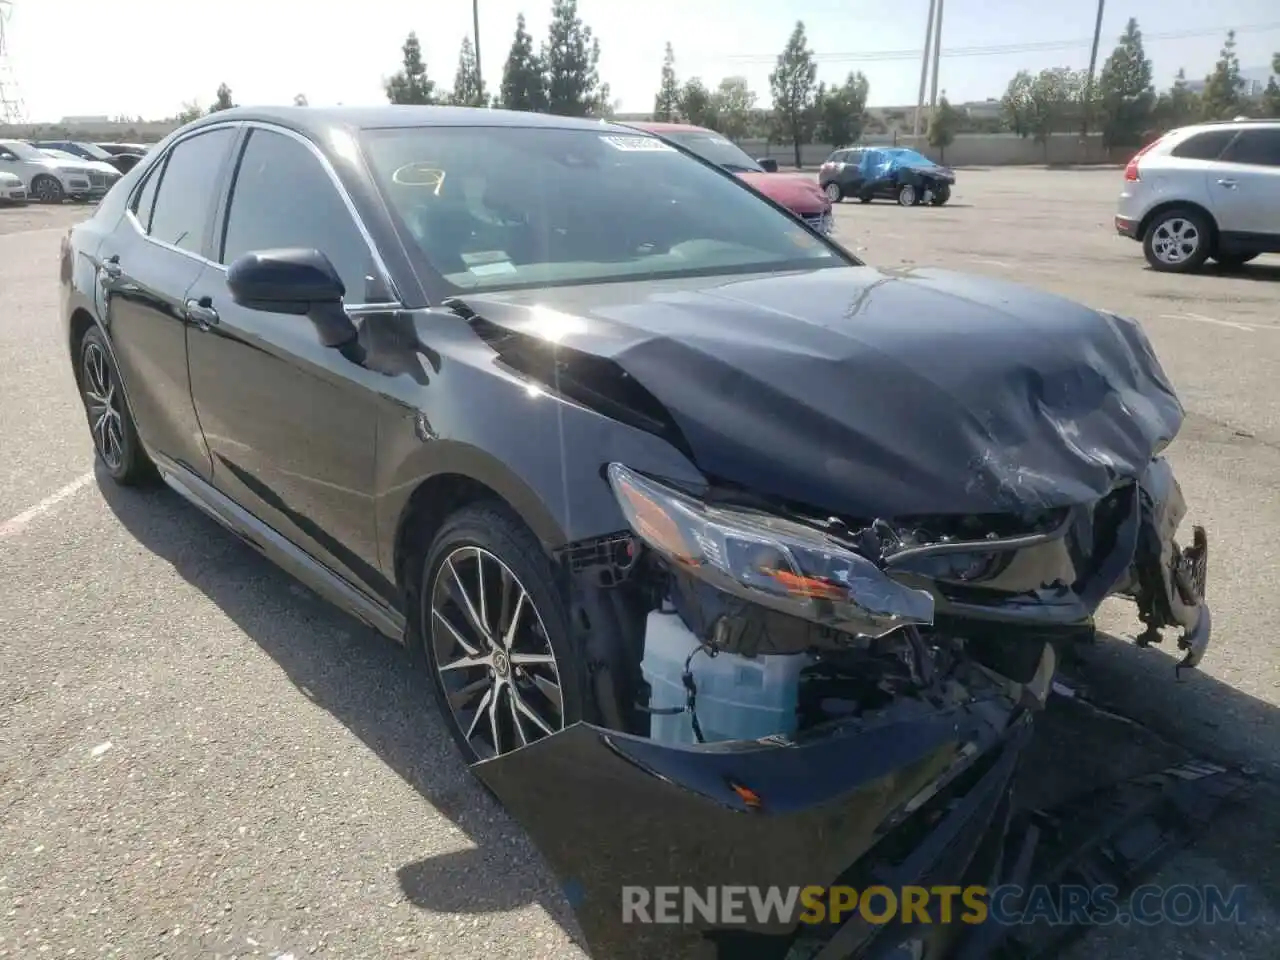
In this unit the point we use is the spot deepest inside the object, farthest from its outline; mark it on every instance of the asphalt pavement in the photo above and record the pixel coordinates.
(200, 759)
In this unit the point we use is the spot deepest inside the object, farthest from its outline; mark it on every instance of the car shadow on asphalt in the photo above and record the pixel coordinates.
(369, 684)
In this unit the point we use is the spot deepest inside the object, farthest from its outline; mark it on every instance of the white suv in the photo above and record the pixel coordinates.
(51, 180)
(1208, 190)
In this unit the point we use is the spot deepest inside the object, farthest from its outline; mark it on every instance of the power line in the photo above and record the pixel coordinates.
(995, 50)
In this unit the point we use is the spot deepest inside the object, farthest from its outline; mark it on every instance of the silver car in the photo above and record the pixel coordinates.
(1211, 190)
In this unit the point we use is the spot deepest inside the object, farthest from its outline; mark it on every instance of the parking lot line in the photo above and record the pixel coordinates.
(16, 523)
(1197, 318)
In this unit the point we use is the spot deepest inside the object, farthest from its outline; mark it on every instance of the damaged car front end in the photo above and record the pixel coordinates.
(785, 697)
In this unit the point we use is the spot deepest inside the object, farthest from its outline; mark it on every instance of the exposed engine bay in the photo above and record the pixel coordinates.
(727, 623)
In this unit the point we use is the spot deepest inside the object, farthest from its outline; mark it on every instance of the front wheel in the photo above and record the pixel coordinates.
(1177, 241)
(48, 189)
(941, 195)
(908, 196)
(115, 437)
(495, 632)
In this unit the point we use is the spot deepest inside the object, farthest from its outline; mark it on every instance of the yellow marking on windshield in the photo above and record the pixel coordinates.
(420, 175)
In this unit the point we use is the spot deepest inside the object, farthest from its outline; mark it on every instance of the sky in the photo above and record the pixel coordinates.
(148, 57)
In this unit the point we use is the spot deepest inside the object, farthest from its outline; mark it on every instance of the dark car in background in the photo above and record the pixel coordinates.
(725, 556)
(889, 173)
(123, 161)
(795, 191)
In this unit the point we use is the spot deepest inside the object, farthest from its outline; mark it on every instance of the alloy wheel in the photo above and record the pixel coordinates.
(102, 403)
(47, 190)
(1175, 240)
(833, 192)
(907, 196)
(490, 647)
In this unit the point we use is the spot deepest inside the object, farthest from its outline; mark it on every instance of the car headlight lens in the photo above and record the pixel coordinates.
(768, 560)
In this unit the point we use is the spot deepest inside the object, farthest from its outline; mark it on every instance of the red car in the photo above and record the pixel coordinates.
(798, 193)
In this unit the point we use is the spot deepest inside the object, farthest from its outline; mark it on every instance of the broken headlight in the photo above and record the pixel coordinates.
(766, 559)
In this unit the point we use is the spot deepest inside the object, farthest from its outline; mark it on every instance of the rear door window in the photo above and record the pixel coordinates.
(1260, 148)
(184, 201)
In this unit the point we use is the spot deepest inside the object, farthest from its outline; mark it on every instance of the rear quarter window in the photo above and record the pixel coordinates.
(1203, 146)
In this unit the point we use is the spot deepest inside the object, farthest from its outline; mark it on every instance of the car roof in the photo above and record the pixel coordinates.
(318, 120)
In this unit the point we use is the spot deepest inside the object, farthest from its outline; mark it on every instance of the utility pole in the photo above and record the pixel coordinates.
(1093, 62)
(937, 53)
(475, 17)
(924, 67)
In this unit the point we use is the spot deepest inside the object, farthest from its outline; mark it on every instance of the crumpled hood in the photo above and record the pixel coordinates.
(795, 191)
(874, 394)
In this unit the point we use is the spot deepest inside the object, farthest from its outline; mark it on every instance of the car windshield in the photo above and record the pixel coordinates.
(904, 157)
(23, 151)
(93, 150)
(506, 207)
(716, 149)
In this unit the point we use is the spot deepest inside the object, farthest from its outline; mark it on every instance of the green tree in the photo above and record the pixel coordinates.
(666, 105)
(735, 105)
(468, 85)
(570, 58)
(1017, 104)
(1054, 93)
(222, 100)
(1223, 96)
(190, 111)
(1125, 97)
(1271, 95)
(943, 126)
(1178, 106)
(697, 106)
(524, 86)
(411, 83)
(793, 84)
(300, 100)
(842, 110)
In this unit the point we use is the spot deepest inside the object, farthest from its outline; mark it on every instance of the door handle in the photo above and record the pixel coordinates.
(1229, 184)
(201, 313)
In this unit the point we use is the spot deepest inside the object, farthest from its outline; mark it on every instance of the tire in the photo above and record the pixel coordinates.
(1231, 261)
(942, 195)
(1177, 240)
(834, 192)
(115, 436)
(908, 195)
(47, 189)
(488, 538)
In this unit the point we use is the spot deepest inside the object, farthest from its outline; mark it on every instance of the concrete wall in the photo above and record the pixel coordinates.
(976, 149)
(968, 150)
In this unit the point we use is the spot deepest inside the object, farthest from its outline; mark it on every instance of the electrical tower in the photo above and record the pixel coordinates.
(12, 110)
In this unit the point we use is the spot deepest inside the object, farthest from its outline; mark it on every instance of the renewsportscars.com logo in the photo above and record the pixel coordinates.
(1101, 905)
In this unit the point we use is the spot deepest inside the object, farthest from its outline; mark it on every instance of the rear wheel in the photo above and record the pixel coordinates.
(48, 189)
(908, 195)
(495, 634)
(115, 437)
(833, 191)
(1177, 241)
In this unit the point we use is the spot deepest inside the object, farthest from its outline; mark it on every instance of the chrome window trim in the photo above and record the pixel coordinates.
(379, 264)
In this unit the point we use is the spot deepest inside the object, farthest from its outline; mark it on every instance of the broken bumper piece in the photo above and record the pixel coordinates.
(918, 795)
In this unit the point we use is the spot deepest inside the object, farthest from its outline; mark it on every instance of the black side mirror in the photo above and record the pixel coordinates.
(298, 281)
(769, 164)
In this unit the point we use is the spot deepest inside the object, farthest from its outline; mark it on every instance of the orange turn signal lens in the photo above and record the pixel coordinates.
(808, 588)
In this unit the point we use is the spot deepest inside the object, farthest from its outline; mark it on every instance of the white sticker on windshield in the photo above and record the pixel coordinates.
(492, 269)
(639, 144)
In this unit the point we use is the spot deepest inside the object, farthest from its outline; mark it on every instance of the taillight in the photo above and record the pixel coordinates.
(1131, 168)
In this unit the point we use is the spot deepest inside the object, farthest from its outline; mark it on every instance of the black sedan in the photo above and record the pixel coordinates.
(889, 173)
(124, 161)
(726, 557)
